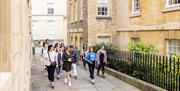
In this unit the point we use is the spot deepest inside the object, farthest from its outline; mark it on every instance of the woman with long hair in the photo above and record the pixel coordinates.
(51, 61)
(91, 58)
(101, 60)
(67, 61)
(83, 55)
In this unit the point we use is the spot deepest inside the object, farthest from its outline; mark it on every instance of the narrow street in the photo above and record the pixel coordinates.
(39, 82)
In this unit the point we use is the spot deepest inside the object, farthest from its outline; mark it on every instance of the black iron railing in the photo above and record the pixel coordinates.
(161, 71)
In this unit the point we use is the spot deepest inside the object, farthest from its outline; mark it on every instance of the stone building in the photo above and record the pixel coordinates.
(119, 22)
(15, 45)
(155, 22)
(49, 20)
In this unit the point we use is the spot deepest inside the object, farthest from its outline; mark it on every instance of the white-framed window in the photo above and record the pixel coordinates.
(50, 8)
(102, 7)
(81, 16)
(173, 47)
(134, 40)
(104, 39)
(76, 10)
(51, 29)
(35, 29)
(172, 3)
(71, 12)
(135, 6)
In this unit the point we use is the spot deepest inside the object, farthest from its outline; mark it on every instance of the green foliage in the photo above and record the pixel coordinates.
(110, 48)
(140, 47)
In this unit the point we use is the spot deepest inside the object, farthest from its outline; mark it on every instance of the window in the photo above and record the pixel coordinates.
(135, 6)
(172, 3)
(173, 47)
(51, 29)
(135, 39)
(104, 39)
(76, 10)
(50, 8)
(81, 17)
(71, 12)
(102, 7)
(35, 27)
(71, 39)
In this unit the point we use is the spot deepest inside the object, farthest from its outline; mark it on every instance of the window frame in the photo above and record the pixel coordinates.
(135, 39)
(173, 5)
(50, 8)
(133, 7)
(82, 7)
(107, 38)
(101, 5)
(171, 52)
(35, 29)
(51, 32)
(76, 10)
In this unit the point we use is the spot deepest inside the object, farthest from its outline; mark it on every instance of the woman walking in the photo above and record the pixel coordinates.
(101, 60)
(91, 58)
(51, 61)
(58, 67)
(43, 57)
(83, 54)
(67, 61)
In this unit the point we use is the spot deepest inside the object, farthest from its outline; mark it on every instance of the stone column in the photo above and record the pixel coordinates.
(78, 42)
(5, 35)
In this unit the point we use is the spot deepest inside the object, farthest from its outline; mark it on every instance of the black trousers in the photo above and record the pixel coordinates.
(51, 70)
(91, 69)
(101, 67)
(84, 63)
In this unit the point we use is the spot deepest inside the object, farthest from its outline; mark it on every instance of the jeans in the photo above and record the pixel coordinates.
(74, 66)
(58, 70)
(51, 70)
(91, 69)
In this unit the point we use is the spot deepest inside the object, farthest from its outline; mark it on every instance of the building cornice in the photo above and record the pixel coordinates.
(47, 15)
(167, 26)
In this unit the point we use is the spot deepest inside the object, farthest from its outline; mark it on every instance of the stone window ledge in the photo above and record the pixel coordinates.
(103, 17)
(135, 15)
(171, 9)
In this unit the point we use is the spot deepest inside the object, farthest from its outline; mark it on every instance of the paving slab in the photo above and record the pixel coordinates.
(39, 82)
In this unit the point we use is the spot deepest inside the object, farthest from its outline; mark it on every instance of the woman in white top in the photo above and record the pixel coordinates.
(51, 61)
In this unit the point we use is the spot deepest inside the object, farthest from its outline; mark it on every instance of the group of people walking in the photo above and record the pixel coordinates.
(59, 57)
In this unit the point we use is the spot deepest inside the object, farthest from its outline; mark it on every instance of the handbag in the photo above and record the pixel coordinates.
(52, 63)
(96, 65)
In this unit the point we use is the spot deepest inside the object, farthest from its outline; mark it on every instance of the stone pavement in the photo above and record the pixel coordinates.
(39, 82)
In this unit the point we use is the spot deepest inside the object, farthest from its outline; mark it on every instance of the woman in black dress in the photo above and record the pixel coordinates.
(67, 61)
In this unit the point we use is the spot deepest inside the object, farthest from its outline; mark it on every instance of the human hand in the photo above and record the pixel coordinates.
(70, 59)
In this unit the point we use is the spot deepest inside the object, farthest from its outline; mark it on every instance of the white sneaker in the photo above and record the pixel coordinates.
(45, 73)
(69, 83)
(53, 85)
(92, 81)
(65, 80)
(58, 76)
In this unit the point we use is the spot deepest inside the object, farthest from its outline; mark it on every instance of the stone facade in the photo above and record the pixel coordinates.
(93, 26)
(155, 23)
(15, 45)
(46, 25)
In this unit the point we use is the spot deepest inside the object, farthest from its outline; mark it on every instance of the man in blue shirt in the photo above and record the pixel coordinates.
(91, 58)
